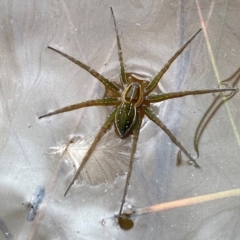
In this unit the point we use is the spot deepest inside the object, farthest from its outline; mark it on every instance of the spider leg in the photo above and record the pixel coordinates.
(152, 116)
(156, 79)
(120, 57)
(134, 146)
(165, 96)
(97, 102)
(109, 85)
(100, 134)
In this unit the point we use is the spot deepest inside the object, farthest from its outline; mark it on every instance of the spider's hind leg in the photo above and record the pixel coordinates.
(152, 116)
(136, 131)
(100, 134)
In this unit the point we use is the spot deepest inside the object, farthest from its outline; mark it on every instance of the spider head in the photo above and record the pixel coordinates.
(133, 93)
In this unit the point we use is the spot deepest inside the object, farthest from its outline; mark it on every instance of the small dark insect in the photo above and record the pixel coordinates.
(131, 101)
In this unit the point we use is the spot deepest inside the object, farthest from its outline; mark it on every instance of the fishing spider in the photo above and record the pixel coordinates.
(131, 102)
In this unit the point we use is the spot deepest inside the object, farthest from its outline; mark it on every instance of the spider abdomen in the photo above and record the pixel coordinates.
(125, 119)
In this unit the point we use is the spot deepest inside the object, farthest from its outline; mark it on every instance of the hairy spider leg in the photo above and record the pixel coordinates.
(108, 84)
(136, 131)
(164, 96)
(123, 77)
(100, 134)
(97, 102)
(159, 75)
(152, 116)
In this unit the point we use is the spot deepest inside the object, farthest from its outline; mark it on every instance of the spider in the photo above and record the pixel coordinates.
(131, 101)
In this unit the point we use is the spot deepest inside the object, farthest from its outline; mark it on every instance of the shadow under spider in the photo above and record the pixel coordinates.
(131, 101)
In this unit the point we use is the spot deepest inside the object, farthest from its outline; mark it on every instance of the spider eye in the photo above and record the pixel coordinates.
(125, 118)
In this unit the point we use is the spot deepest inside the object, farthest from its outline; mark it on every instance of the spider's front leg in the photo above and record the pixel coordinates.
(159, 75)
(108, 84)
(123, 77)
